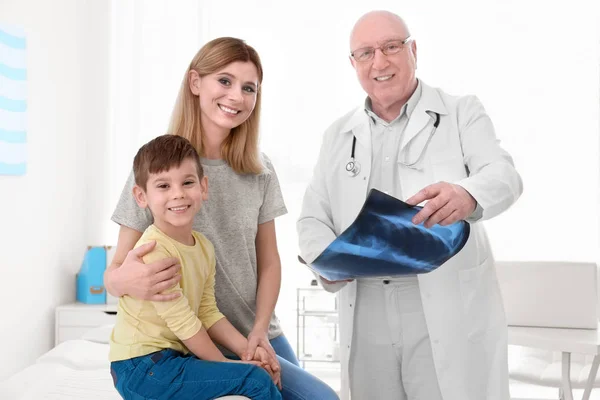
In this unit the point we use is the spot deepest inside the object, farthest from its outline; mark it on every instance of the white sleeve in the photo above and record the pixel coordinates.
(315, 225)
(493, 180)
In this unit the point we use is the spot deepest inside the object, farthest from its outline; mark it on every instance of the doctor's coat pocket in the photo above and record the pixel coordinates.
(481, 299)
(448, 169)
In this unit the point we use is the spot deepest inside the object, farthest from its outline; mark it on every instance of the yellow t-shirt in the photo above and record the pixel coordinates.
(144, 327)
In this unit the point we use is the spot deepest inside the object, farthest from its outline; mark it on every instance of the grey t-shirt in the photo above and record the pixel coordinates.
(236, 205)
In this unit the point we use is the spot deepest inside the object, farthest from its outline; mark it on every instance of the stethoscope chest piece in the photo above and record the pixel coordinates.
(353, 168)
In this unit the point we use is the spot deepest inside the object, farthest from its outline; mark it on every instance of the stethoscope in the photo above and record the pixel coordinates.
(353, 166)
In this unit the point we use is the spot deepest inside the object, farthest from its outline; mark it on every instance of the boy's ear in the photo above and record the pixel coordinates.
(204, 186)
(140, 196)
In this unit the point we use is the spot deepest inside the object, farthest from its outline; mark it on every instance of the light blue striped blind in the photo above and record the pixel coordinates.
(13, 101)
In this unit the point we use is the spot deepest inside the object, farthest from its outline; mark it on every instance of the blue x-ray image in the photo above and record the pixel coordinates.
(383, 241)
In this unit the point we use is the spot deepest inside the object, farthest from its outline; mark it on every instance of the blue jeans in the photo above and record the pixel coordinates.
(168, 374)
(297, 383)
(138, 378)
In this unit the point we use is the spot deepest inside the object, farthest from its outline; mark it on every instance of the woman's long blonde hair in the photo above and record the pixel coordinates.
(240, 148)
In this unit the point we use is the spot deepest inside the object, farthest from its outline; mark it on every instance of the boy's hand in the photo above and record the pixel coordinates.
(146, 282)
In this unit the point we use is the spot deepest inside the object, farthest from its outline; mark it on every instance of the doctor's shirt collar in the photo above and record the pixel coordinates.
(406, 109)
(424, 99)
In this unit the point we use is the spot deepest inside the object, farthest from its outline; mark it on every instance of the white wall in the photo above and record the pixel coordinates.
(152, 44)
(48, 216)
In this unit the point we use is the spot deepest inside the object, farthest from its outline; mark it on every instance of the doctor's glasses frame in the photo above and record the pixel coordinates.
(389, 48)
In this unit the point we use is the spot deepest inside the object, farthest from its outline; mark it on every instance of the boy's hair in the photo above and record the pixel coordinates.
(162, 154)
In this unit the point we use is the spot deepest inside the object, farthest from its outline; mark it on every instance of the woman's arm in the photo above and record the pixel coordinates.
(269, 283)
(127, 273)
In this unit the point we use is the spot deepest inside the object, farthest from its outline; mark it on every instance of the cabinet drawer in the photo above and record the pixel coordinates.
(86, 318)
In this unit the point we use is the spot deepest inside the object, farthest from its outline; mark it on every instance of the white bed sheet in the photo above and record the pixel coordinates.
(75, 369)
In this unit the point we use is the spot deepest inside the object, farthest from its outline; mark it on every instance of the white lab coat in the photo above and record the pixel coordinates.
(461, 299)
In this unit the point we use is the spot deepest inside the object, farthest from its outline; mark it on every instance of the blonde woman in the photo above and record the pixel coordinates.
(218, 110)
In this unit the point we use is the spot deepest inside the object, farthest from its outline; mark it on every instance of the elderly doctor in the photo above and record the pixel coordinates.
(440, 335)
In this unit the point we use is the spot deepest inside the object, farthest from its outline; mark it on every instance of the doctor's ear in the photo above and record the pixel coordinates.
(194, 82)
(352, 61)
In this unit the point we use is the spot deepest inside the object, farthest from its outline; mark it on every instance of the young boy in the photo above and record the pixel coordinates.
(151, 342)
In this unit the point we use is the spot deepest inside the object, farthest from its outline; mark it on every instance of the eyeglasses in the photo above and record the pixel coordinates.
(388, 48)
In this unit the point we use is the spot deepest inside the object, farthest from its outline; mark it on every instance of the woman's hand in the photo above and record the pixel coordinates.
(258, 338)
(146, 281)
(259, 348)
(270, 364)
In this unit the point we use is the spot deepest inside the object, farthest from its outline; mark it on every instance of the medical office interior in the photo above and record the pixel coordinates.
(101, 78)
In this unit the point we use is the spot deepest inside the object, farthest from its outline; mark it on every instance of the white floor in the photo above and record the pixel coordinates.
(518, 390)
(328, 373)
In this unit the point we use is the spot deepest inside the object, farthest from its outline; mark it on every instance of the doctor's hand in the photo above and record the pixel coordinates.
(332, 282)
(447, 203)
